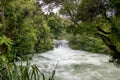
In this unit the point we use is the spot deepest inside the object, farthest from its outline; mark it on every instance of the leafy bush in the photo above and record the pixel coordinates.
(87, 43)
(25, 24)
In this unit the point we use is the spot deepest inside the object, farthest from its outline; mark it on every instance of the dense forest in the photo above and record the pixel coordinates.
(90, 25)
(25, 29)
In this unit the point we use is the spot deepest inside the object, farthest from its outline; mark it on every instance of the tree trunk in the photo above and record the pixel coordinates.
(110, 45)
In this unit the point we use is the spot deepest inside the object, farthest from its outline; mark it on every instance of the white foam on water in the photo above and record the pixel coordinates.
(76, 64)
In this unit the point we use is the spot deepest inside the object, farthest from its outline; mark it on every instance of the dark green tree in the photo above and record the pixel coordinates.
(105, 14)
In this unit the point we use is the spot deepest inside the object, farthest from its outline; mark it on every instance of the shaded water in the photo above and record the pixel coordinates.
(76, 64)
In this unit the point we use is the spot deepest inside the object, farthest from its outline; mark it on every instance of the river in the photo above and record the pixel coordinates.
(76, 64)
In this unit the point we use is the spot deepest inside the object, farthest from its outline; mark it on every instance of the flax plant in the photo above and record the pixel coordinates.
(27, 72)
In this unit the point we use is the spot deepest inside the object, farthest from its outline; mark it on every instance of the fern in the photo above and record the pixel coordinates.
(6, 41)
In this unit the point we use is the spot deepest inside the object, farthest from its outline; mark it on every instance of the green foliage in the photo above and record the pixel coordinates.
(106, 25)
(88, 43)
(3, 60)
(91, 17)
(88, 9)
(5, 49)
(25, 24)
(5, 2)
(27, 37)
(114, 36)
(13, 71)
(57, 25)
(115, 4)
(5, 43)
(83, 38)
(23, 72)
(44, 38)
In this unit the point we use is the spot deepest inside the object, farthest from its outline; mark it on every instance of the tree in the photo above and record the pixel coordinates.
(104, 10)
(103, 15)
(25, 24)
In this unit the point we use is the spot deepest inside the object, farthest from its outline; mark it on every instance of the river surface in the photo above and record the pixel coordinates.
(76, 64)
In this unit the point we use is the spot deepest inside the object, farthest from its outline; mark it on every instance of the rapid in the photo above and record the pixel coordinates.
(75, 64)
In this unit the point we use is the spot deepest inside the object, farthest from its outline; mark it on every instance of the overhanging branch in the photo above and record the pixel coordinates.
(101, 30)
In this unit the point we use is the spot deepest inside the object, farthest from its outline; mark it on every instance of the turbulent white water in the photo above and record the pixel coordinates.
(76, 64)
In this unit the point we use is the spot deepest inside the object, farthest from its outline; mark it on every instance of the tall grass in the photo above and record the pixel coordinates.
(26, 72)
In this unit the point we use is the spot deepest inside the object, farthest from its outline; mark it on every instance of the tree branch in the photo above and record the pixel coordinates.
(111, 46)
(101, 30)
